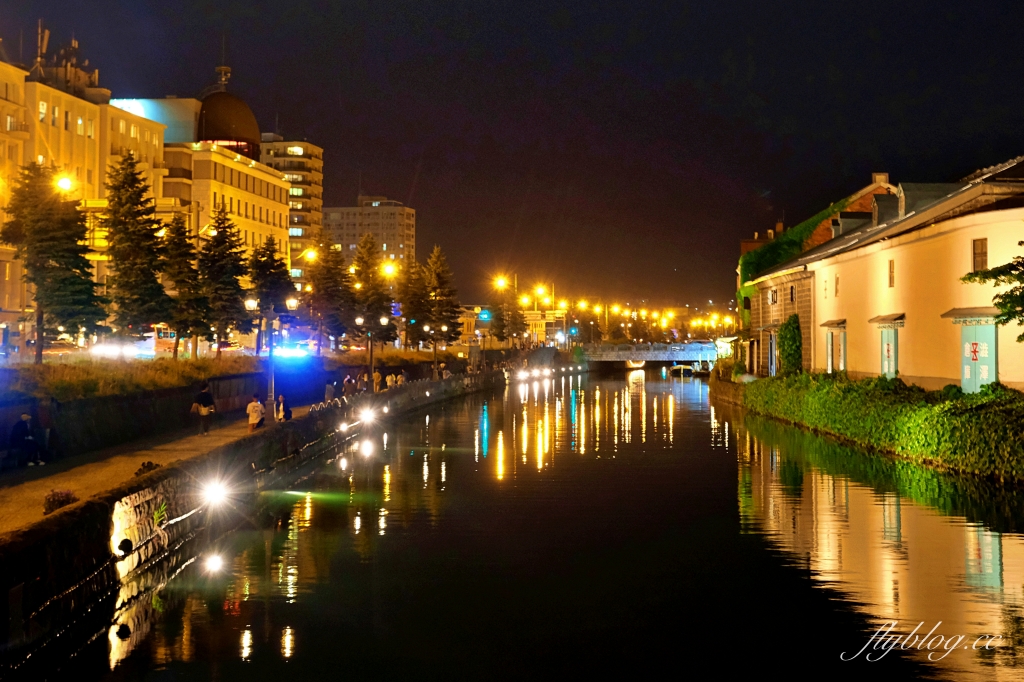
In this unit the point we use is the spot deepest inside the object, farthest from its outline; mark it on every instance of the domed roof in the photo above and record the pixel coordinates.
(227, 118)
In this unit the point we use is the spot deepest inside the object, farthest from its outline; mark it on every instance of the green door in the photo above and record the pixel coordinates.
(828, 352)
(978, 358)
(890, 353)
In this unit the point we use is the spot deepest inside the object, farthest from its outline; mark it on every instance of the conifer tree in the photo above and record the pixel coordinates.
(444, 301)
(49, 232)
(138, 297)
(371, 292)
(189, 307)
(507, 319)
(271, 283)
(330, 299)
(221, 267)
(412, 293)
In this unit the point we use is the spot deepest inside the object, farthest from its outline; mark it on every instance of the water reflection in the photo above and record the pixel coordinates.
(897, 539)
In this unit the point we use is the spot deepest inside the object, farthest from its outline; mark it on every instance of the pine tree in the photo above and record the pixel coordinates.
(190, 313)
(49, 234)
(412, 292)
(271, 283)
(371, 292)
(507, 319)
(444, 301)
(331, 297)
(138, 297)
(221, 266)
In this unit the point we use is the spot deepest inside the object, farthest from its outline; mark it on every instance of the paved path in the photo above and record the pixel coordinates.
(22, 491)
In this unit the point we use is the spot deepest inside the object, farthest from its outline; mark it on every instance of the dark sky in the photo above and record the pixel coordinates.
(618, 148)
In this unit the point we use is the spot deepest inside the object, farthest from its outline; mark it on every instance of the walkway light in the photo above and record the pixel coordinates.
(525, 300)
(500, 283)
(383, 321)
(426, 327)
(359, 321)
(64, 183)
(292, 303)
(214, 563)
(444, 327)
(251, 304)
(366, 415)
(214, 493)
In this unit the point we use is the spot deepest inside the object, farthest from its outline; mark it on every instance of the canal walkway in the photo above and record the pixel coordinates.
(22, 491)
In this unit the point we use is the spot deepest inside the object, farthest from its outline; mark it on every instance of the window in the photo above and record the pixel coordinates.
(135, 131)
(120, 126)
(42, 111)
(10, 123)
(88, 175)
(792, 294)
(837, 286)
(295, 272)
(980, 255)
(80, 128)
(54, 115)
(892, 274)
(67, 120)
(146, 135)
(295, 191)
(295, 151)
(294, 231)
(12, 152)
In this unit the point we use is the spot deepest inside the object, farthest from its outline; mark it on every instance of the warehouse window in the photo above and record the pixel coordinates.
(980, 255)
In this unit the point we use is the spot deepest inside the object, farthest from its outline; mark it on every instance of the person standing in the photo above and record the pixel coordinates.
(403, 377)
(256, 411)
(204, 407)
(390, 381)
(282, 411)
(329, 392)
(376, 381)
(22, 443)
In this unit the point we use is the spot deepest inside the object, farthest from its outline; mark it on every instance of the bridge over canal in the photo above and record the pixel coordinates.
(685, 353)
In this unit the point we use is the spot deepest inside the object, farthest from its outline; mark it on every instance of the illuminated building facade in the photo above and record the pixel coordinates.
(392, 225)
(302, 164)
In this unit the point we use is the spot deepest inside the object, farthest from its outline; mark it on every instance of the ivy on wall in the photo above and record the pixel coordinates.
(791, 353)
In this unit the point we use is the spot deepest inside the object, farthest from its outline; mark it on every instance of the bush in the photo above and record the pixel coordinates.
(55, 499)
(90, 378)
(979, 433)
(791, 353)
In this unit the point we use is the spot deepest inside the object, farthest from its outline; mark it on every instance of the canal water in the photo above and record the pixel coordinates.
(587, 526)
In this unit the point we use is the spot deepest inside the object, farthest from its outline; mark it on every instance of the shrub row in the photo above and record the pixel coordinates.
(91, 378)
(981, 433)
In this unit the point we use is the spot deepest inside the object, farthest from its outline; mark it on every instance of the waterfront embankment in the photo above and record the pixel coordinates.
(56, 569)
(979, 433)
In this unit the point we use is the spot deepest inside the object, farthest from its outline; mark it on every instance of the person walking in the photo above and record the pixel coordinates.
(376, 381)
(390, 381)
(329, 392)
(283, 412)
(403, 377)
(204, 407)
(349, 387)
(256, 411)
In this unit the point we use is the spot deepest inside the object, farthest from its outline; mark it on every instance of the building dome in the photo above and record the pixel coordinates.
(226, 120)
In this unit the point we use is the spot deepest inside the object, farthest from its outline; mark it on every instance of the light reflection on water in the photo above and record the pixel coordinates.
(370, 533)
(871, 528)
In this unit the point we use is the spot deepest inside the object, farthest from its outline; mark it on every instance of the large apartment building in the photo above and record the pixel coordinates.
(392, 225)
(302, 164)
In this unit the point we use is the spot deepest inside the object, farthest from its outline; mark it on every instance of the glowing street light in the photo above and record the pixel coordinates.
(310, 255)
(65, 183)
(524, 300)
(359, 321)
(251, 304)
(215, 493)
(292, 303)
(500, 283)
(214, 563)
(616, 309)
(582, 305)
(563, 305)
(540, 290)
(389, 270)
(383, 321)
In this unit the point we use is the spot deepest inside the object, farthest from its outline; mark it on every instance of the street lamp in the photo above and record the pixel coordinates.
(64, 183)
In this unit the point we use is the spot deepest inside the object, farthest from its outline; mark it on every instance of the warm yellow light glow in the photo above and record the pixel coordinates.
(351, 269)
(616, 309)
(540, 290)
(389, 269)
(714, 318)
(525, 300)
(582, 305)
(664, 323)
(654, 314)
(563, 304)
(309, 255)
(670, 314)
(64, 183)
(643, 313)
(309, 287)
(500, 283)
(728, 320)
(597, 308)
(358, 285)
(292, 303)
(547, 300)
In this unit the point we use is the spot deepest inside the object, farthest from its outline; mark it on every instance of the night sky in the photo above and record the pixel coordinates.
(621, 149)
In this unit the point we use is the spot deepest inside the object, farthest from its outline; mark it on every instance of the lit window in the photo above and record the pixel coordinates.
(42, 111)
(295, 191)
(135, 131)
(384, 247)
(295, 272)
(80, 128)
(295, 151)
(54, 115)
(40, 159)
(294, 231)
(120, 126)
(145, 136)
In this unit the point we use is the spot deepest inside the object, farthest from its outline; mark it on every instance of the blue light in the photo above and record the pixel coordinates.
(573, 331)
(485, 315)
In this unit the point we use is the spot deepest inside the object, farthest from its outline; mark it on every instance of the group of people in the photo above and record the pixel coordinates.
(255, 410)
(362, 382)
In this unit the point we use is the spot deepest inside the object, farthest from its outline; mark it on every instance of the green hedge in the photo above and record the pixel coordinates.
(981, 433)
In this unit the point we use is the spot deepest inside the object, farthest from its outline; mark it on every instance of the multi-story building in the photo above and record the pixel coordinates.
(392, 225)
(212, 152)
(884, 294)
(302, 164)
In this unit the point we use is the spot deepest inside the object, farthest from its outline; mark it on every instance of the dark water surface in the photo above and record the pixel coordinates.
(584, 527)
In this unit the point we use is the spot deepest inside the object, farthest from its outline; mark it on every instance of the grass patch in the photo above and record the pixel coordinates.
(981, 433)
(91, 378)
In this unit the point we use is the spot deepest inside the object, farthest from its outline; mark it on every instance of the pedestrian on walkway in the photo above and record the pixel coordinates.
(329, 392)
(283, 411)
(390, 380)
(23, 444)
(376, 381)
(256, 411)
(204, 407)
(349, 387)
(403, 377)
